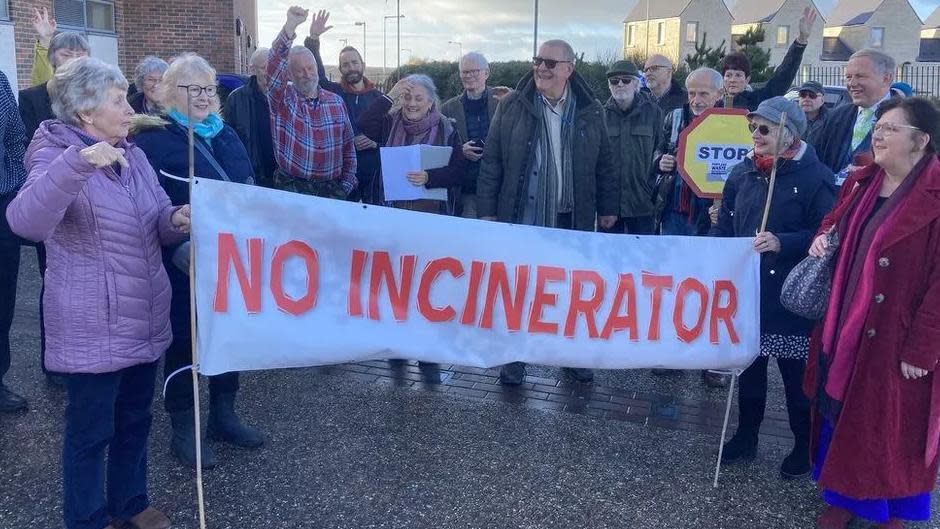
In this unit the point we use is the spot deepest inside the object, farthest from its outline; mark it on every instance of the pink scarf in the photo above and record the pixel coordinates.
(424, 131)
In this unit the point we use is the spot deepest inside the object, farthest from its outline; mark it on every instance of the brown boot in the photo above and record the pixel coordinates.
(834, 518)
(893, 523)
(149, 518)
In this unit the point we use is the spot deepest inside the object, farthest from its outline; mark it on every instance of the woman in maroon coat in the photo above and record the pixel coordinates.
(876, 412)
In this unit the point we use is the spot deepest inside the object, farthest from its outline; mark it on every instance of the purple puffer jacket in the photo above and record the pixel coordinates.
(107, 299)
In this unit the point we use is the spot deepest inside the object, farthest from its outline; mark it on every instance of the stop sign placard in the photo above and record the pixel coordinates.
(715, 141)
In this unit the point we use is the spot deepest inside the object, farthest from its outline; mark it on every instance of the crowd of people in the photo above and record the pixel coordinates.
(90, 177)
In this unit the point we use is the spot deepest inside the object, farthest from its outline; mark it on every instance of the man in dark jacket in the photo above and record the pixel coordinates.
(813, 103)
(35, 105)
(472, 112)
(634, 125)
(247, 111)
(358, 93)
(548, 160)
(666, 91)
(846, 143)
(736, 69)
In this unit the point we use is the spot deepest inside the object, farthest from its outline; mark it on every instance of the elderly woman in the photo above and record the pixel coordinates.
(410, 115)
(147, 77)
(35, 103)
(219, 155)
(96, 203)
(803, 194)
(871, 376)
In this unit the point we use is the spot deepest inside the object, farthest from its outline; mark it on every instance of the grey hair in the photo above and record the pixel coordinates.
(716, 78)
(186, 65)
(477, 58)
(297, 51)
(259, 54)
(883, 62)
(557, 43)
(149, 65)
(424, 81)
(82, 85)
(66, 40)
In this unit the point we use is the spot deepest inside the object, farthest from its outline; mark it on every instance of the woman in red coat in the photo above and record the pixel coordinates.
(876, 412)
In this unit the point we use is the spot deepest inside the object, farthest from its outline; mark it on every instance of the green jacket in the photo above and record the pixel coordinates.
(453, 108)
(510, 154)
(634, 136)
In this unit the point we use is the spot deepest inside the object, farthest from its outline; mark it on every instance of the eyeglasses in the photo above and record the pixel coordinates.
(614, 81)
(890, 129)
(195, 90)
(549, 63)
(470, 73)
(654, 67)
(763, 130)
(809, 95)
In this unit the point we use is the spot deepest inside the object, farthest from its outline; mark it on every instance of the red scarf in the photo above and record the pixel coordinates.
(765, 162)
(367, 86)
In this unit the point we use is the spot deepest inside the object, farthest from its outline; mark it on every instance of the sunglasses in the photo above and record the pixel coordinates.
(809, 95)
(614, 81)
(549, 63)
(763, 130)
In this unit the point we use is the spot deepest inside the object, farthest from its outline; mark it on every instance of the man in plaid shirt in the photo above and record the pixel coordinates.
(313, 138)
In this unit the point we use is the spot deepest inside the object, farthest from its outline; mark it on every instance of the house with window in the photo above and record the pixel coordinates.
(930, 39)
(780, 20)
(673, 27)
(881, 24)
(123, 32)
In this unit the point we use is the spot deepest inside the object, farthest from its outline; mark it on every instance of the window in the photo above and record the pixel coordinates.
(94, 15)
(691, 32)
(631, 35)
(4, 10)
(783, 35)
(661, 33)
(877, 37)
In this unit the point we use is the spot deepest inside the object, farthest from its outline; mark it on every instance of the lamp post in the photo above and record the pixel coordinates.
(398, 25)
(459, 47)
(411, 53)
(385, 44)
(363, 24)
(535, 33)
(344, 41)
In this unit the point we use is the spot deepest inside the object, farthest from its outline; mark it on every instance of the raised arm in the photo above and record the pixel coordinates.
(786, 72)
(318, 27)
(277, 57)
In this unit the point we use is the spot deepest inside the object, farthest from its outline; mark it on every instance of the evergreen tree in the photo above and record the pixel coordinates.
(750, 45)
(705, 55)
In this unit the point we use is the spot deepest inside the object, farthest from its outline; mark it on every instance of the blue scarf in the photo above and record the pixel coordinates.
(206, 129)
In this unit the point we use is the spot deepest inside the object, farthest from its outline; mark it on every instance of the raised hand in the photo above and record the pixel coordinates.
(399, 89)
(318, 24)
(806, 25)
(103, 154)
(44, 25)
(295, 17)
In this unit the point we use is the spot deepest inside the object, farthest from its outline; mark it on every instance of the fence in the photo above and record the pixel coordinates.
(924, 78)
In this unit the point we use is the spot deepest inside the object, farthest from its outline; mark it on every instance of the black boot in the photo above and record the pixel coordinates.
(579, 374)
(225, 426)
(797, 464)
(512, 374)
(741, 447)
(10, 402)
(183, 444)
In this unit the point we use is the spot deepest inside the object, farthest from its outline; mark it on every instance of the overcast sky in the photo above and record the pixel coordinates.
(501, 29)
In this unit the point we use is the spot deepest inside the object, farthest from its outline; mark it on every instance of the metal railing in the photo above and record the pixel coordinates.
(924, 78)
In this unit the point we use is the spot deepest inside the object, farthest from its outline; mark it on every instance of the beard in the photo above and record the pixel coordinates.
(352, 77)
(306, 86)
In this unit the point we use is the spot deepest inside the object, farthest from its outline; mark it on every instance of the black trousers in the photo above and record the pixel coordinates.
(9, 273)
(752, 396)
(632, 226)
(179, 392)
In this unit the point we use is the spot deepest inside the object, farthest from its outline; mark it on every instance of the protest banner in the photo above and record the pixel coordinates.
(286, 280)
(715, 141)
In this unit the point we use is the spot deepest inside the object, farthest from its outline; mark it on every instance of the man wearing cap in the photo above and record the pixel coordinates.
(634, 125)
(812, 101)
(666, 91)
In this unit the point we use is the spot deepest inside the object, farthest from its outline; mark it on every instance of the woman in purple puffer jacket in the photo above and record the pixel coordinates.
(95, 202)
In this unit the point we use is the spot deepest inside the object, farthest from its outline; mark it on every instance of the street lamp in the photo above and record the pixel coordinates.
(535, 33)
(385, 43)
(363, 24)
(344, 41)
(459, 46)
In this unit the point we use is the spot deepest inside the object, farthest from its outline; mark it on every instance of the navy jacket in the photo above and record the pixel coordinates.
(35, 107)
(167, 149)
(803, 195)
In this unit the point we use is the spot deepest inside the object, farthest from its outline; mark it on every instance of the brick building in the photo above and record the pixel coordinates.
(124, 31)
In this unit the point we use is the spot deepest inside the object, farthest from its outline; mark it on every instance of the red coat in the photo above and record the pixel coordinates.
(886, 440)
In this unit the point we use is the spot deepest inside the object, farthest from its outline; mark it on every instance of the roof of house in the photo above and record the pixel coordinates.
(929, 50)
(835, 49)
(933, 21)
(852, 12)
(661, 9)
(752, 11)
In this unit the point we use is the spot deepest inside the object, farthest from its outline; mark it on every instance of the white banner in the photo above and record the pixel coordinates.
(286, 280)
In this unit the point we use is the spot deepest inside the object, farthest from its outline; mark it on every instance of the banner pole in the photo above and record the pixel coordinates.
(724, 427)
(192, 320)
(778, 150)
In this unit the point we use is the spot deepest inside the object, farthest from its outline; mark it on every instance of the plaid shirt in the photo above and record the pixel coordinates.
(313, 138)
(12, 140)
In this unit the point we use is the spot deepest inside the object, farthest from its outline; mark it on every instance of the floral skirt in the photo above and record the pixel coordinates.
(784, 346)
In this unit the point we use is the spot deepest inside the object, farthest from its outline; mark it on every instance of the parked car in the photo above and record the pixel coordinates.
(228, 82)
(835, 95)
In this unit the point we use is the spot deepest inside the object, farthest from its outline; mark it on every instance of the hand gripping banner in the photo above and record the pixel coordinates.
(287, 280)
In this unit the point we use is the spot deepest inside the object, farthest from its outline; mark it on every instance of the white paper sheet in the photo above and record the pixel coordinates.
(397, 162)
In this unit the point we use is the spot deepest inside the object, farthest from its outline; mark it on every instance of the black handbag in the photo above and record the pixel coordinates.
(808, 286)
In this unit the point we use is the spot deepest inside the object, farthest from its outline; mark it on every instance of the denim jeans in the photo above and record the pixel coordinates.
(107, 411)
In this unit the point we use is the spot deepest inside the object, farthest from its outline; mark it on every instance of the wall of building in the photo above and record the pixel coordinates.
(645, 48)
(902, 35)
(714, 21)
